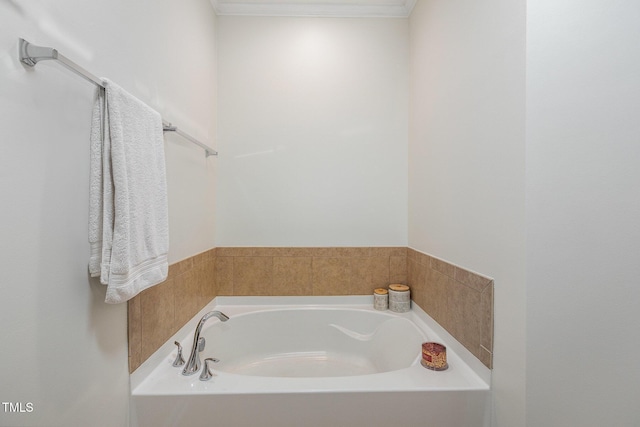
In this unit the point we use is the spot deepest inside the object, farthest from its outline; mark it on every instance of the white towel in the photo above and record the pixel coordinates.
(128, 215)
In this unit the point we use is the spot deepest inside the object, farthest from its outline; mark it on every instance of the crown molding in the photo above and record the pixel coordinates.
(316, 8)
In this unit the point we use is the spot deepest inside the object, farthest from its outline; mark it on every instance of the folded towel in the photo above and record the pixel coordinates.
(128, 215)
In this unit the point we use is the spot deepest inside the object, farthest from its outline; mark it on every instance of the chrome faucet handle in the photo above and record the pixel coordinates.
(207, 373)
(179, 360)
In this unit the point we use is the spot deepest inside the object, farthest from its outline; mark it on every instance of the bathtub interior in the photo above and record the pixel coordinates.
(377, 351)
(314, 342)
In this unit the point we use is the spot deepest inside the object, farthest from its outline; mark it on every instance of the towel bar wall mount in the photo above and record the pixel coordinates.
(31, 54)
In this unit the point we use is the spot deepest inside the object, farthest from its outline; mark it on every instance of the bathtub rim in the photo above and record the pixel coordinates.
(146, 368)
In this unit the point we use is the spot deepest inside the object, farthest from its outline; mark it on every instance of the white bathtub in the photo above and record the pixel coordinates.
(312, 361)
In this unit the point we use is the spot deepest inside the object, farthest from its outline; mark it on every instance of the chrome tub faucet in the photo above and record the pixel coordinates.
(193, 363)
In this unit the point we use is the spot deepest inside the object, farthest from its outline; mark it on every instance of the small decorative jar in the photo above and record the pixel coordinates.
(380, 299)
(434, 356)
(399, 298)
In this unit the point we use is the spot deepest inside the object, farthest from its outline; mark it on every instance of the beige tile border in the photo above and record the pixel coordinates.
(460, 300)
(314, 271)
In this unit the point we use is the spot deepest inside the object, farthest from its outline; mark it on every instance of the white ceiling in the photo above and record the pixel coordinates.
(346, 8)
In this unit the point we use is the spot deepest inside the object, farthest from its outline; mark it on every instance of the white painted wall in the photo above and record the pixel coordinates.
(467, 162)
(313, 132)
(62, 348)
(467, 188)
(583, 209)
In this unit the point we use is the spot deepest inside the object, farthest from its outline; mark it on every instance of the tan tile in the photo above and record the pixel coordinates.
(380, 251)
(397, 269)
(353, 252)
(267, 251)
(443, 267)
(380, 272)
(188, 295)
(419, 257)
(180, 267)
(210, 289)
(400, 251)
(424, 259)
(271, 251)
(158, 313)
(360, 280)
(292, 276)
(486, 315)
(339, 252)
(224, 275)
(463, 315)
(331, 276)
(470, 279)
(247, 251)
(368, 273)
(201, 257)
(134, 316)
(203, 286)
(416, 274)
(262, 252)
(134, 319)
(384, 251)
(252, 275)
(236, 252)
(225, 252)
(435, 299)
(328, 252)
(202, 277)
(296, 252)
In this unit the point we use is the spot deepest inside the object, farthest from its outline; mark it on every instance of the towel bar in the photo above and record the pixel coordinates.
(31, 54)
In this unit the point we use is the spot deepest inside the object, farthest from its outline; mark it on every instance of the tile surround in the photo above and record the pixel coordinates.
(308, 271)
(157, 313)
(461, 301)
